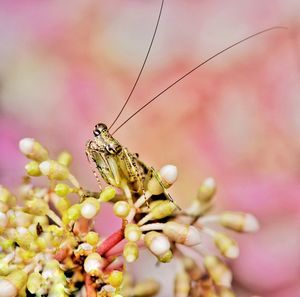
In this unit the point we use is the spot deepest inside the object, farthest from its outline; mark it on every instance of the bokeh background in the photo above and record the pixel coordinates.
(66, 65)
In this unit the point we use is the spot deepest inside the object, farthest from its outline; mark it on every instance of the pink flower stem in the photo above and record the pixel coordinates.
(110, 242)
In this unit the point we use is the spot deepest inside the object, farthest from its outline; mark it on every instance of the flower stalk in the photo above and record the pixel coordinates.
(48, 245)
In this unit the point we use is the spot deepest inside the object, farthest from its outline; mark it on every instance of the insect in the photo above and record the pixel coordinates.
(116, 164)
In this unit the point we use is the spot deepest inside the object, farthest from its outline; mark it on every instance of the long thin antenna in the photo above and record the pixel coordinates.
(142, 68)
(188, 73)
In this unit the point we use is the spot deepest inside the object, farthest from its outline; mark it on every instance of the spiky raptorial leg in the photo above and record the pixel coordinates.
(134, 172)
(156, 175)
(89, 157)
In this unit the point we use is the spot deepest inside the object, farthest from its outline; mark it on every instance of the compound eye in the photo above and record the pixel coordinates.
(96, 132)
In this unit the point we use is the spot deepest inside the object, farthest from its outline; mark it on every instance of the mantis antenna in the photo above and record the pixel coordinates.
(198, 66)
(143, 66)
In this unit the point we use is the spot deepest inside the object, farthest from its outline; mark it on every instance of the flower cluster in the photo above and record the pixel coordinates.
(48, 246)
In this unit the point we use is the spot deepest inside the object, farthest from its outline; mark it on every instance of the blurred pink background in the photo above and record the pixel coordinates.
(64, 66)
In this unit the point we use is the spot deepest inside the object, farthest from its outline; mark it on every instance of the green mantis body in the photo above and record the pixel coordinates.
(117, 166)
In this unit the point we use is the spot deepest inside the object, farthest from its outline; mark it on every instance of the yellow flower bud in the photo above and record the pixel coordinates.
(132, 232)
(37, 207)
(74, 212)
(4, 268)
(26, 255)
(6, 197)
(121, 209)
(24, 239)
(18, 278)
(130, 252)
(157, 243)
(219, 272)
(90, 207)
(227, 246)
(33, 149)
(92, 238)
(7, 288)
(62, 205)
(115, 278)
(167, 176)
(65, 158)
(238, 221)
(42, 220)
(207, 190)
(32, 168)
(166, 257)
(180, 233)
(62, 190)
(21, 219)
(107, 194)
(41, 243)
(93, 264)
(54, 170)
(6, 244)
(160, 211)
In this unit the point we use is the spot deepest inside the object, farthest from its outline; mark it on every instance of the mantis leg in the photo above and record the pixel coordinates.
(156, 175)
(88, 156)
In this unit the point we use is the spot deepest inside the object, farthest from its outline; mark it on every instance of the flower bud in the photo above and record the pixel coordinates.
(34, 282)
(93, 264)
(42, 220)
(227, 246)
(63, 204)
(6, 197)
(20, 218)
(107, 194)
(65, 158)
(238, 221)
(166, 257)
(24, 238)
(219, 272)
(167, 174)
(180, 233)
(207, 190)
(62, 190)
(7, 288)
(92, 238)
(32, 168)
(72, 214)
(130, 252)
(37, 207)
(115, 278)
(6, 244)
(182, 284)
(4, 268)
(157, 243)
(160, 211)
(33, 149)
(52, 271)
(132, 232)
(54, 170)
(12, 284)
(121, 209)
(146, 288)
(90, 207)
